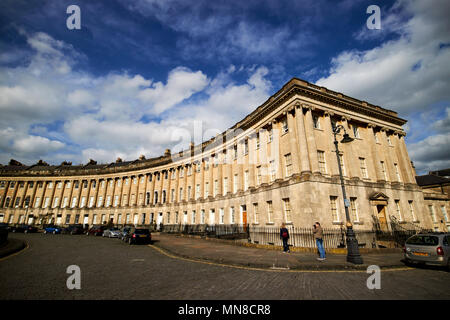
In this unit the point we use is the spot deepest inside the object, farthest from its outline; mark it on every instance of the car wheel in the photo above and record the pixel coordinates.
(54, 232)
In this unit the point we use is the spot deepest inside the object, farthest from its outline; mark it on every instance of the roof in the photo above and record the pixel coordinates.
(441, 173)
(430, 179)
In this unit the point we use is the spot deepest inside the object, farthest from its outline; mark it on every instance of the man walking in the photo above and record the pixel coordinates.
(318, 235)
(284, 235)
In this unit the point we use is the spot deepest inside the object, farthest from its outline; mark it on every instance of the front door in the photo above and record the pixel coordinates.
(243, 217)
(381, 210)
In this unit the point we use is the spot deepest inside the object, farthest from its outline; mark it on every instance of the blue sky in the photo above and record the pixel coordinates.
(139, 71)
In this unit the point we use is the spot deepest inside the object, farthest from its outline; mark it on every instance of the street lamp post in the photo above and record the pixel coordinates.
(353, 255)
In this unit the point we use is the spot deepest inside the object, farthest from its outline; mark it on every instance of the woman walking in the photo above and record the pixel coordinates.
(284, 235)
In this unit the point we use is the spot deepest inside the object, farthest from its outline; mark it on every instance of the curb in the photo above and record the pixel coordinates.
(241, 243)
(306, 267)
(12, 246)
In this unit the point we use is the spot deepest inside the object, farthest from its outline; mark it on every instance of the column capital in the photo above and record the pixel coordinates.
(327, 113)
(307, 106)
(371, 125)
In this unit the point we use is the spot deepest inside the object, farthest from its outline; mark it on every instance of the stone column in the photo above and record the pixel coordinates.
(6, 193)
(52, 197)
(293, 136)
(80, 187)
(98, 185)
(24, 194)
(389, 161)
(403, 157)
(310, 139)
(373, 152)
(120, 192)
(13, 198)
(331, 161)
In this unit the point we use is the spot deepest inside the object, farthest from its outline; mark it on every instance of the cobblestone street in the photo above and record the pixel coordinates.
(111, 269)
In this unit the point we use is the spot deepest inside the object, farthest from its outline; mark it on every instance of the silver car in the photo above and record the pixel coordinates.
(111, 233)
(429, 248)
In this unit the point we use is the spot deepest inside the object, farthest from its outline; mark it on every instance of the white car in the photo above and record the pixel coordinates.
(111, 233)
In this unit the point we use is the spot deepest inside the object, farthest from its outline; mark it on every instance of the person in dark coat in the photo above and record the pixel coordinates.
(284, 235)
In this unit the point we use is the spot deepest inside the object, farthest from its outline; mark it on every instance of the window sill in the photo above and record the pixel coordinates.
(270, 223)
(337, 223)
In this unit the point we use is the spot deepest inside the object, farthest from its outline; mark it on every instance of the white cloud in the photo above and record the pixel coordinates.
(432, 153)
(51, 112)
(181, 84)
(443, 125)
(405, 74)
(36, 144)
(408, 74)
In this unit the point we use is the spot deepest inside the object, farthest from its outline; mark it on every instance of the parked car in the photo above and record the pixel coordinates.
(111, 233)
(96, 230)
(74, 229)
(138, 235)
(429, 248)
(52, 229)
(25, 228)
(123, 232)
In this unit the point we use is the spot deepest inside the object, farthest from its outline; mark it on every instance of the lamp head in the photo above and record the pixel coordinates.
(346, 138)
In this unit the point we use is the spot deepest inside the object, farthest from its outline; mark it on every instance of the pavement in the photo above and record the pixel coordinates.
(237, 255)
(11, 246)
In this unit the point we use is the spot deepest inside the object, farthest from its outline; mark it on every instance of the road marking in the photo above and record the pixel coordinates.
(16, 253)
(162, 251)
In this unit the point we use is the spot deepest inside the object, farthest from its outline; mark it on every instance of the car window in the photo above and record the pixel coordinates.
(446, 240)
(142, 231)
(423, 240)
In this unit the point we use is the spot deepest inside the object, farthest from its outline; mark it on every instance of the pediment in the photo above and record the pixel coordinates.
(378, 196)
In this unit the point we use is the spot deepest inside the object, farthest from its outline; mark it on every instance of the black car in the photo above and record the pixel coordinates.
(74, 229)
(25, 228)
(138, 235)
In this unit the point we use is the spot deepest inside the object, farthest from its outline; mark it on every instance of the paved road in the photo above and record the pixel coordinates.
(111, 269)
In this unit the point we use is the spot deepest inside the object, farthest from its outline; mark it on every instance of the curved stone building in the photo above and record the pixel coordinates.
(276, 165)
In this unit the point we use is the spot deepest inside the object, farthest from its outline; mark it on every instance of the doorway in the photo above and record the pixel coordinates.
(381, 215)
(159, 220)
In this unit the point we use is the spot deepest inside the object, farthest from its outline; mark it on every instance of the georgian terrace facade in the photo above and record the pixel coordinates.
(276, 165)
